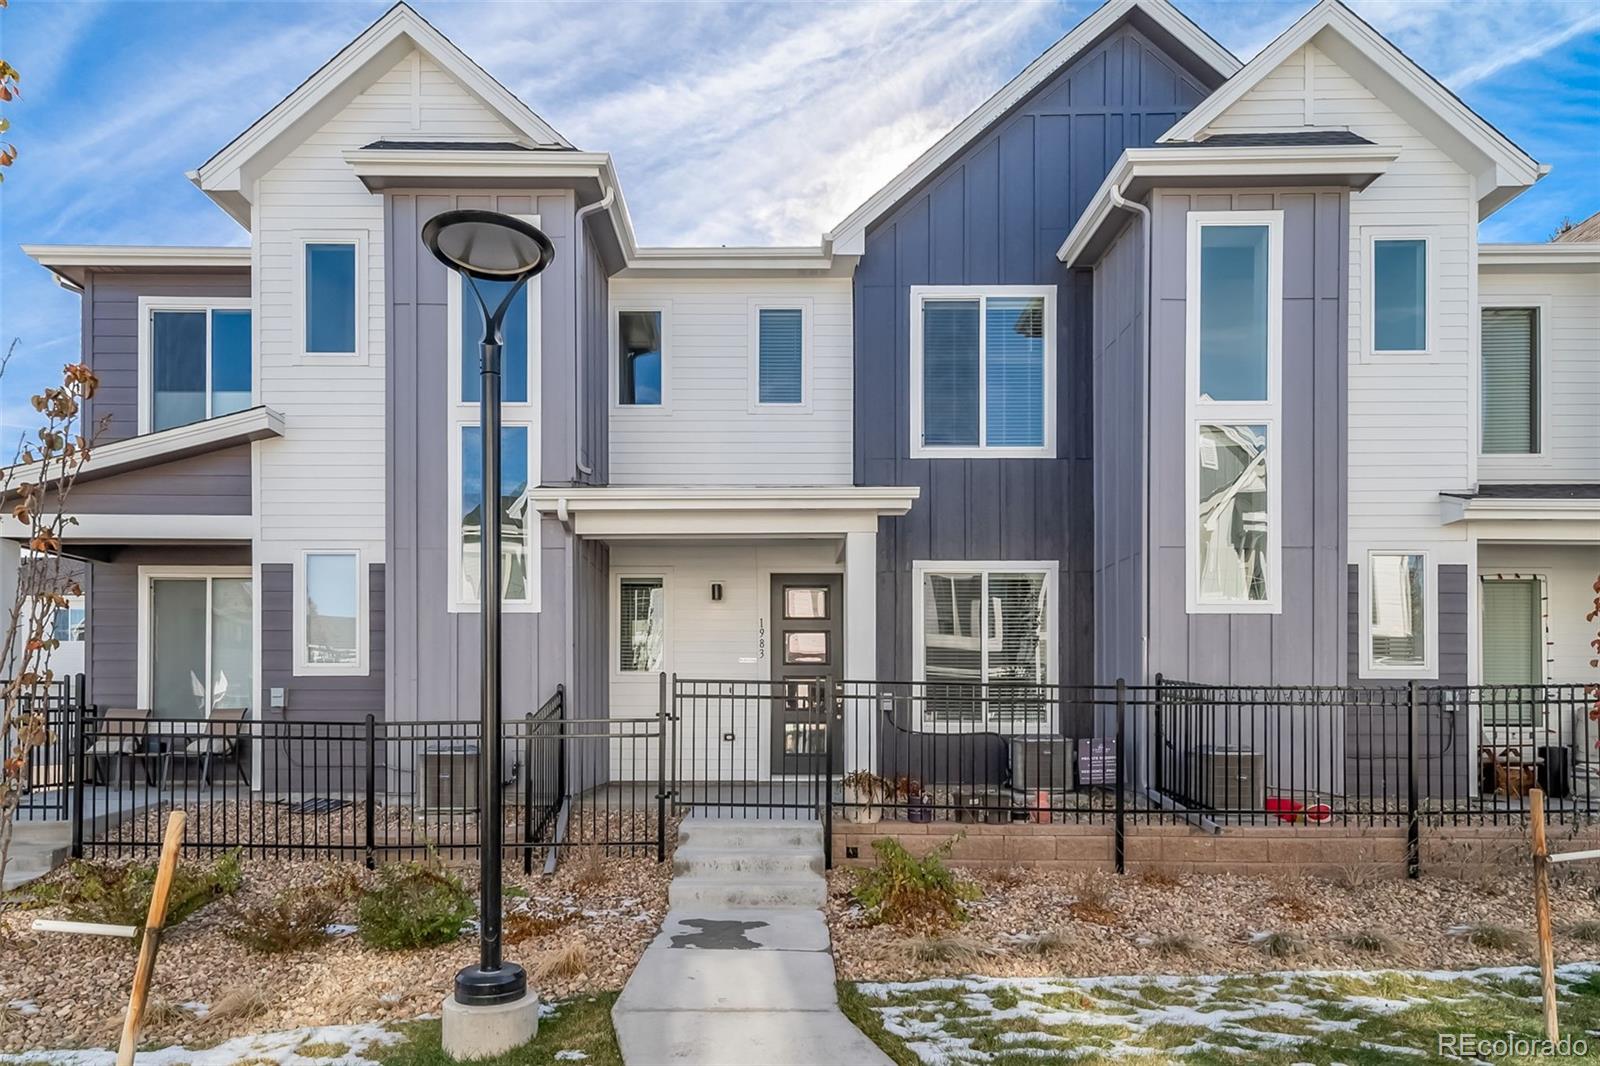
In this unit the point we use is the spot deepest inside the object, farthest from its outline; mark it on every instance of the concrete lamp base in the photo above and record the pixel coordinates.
(472, 1032)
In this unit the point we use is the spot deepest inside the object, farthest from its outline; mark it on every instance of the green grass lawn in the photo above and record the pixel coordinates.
(582, 1025)
(1356, 1018)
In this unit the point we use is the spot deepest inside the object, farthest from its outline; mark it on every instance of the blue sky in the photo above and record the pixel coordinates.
(736, 123)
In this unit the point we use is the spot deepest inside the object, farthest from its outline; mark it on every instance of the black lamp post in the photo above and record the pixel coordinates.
(489, 246)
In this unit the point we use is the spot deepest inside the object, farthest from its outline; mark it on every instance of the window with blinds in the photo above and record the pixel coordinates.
(982, 371)
(986, 646)
(780, 354)
(1510, 347)
(642, 614)
(1513, 647)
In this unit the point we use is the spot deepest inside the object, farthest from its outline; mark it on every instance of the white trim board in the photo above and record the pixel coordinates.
(71, 263)
(145, 528)
(169, 445)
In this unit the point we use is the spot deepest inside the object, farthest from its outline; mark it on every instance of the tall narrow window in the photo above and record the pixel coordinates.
(986, 643)
(641, 625)
(1400, 294)
(199, 645)
(1234, 520)
(199, 365)
(1510, 348)
(1397, 612)
(514, 341)
(1233, 313)
(780, 355)
(516, 514)
(639, 358)
(330, 628)
(330, 308)
(1513, 648)
(982, 371)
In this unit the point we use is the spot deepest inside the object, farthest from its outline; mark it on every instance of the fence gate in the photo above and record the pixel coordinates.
(52, 764)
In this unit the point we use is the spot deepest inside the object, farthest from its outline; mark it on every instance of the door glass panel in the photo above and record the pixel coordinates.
(802, 738)
(178, 648)
(642, 625)
(805, 603)
(805, 648)
(231, 674)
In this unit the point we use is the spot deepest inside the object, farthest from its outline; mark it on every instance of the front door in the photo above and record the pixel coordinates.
(807, 646)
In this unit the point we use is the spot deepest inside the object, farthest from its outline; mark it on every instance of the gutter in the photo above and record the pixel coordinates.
(579, 241)
(1116, 197)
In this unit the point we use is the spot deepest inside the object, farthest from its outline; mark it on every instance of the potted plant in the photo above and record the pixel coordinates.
(864, 794)
(919, 804)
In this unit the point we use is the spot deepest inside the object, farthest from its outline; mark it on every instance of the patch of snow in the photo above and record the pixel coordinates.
(24, 1006)
(339, 929)
(280, 1048)
(571, 1055)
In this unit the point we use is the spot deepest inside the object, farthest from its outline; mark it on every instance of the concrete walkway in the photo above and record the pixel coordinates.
(728, 985)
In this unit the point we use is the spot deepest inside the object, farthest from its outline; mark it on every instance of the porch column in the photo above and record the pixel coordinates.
(861, 645)
(10, 574)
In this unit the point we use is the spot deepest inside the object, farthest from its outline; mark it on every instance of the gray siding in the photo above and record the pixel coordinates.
(111, 334)
(1306, 643)
(111, 652)
(1452, 607)
(1119, 490)
(432, 655)
(318, 698)
(214, 483)
(996, 214)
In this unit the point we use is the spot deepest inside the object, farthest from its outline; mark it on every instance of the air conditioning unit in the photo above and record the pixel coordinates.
(1041, 763)
(1225, 778)
(449, 777)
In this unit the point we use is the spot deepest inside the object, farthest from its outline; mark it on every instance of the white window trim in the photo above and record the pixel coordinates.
(1369, 330)
(756, 306)
(303, 667)
(919, 571)
(147, 576)
(1540, 305)
(301, 238)
(1430, 621)
(1268, 413)
(148, 306)
(613, 350)
(459, 415)
(614, 635)
(920, 294)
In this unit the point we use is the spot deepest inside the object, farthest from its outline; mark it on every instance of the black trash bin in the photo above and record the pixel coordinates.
(1555, 771)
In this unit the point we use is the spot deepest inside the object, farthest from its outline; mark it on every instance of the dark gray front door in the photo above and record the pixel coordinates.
(807, 646)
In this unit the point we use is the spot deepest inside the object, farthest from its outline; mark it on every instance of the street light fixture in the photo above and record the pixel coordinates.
(489, 246)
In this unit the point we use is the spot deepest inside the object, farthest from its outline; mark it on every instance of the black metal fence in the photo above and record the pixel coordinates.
(47, 774)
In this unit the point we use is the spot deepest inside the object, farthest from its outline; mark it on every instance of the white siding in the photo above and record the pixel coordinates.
(1412, 420)
(708, 434)
(1570, 387)
(1569, 572)
(323, 482)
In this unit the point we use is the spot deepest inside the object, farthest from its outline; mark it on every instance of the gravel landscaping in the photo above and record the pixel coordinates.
(1035, 924)
(578, 932)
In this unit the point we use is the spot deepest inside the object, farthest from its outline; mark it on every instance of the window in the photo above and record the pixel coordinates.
(1400, 627)
(641, 371)
(1513, 647)
(985, 642)
(68, 623)
(330, 614)
(194, 638)
(519, 444)
(194, 360)
(641, 624)
(1510, 346)
(781, 357)
(1233, 372)
(982, 371)
(330, 298)
(1400, 296)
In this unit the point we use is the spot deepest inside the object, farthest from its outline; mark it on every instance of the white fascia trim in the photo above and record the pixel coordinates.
(676, 511)
(241, 427)
(70, 263)
(1355, 165)
(1453, 509)
(1521, 168)
(144, 528)
(1578, 256)
(849, 236)
(221, 172)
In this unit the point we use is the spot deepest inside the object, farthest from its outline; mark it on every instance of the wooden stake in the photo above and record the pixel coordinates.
(1541, 913)
(171, 845)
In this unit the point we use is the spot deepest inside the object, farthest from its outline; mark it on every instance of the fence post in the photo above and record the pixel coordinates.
(661, 768)
(1158, 735)
(80, 764)
(826, 691)
(1413, 828)
(527, 787)
(1120, 840)
(371, 737)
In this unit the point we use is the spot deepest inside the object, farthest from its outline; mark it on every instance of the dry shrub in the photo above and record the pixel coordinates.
(120, 894)
(357, 1003)
(1587, 931)
(1006, 877)
(1159, 877)
(1092, 902)
(520, 927)
(1293, 908)
(159, 1013)
(592, 871)
(960, 950)
(292, 920)
(1182, 945)
(1353, 876)
(1056, 941)
(413, 906)
(1492, 937)
(1372, 941)
(1281, 945)
(238, 1004)
(913, 893)
(569, 960)
(326, 1049)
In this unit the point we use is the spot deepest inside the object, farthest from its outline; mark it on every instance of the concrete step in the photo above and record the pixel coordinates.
(41, 832)
(700, 860)
(29, 861)
(699, 893)
(745, 833)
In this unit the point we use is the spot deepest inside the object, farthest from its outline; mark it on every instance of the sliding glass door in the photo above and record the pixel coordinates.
(200, 647)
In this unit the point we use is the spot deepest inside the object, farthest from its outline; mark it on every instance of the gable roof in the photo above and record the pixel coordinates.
(1501, 169)
(225, 177)
(1159, 17)
(1587, 230)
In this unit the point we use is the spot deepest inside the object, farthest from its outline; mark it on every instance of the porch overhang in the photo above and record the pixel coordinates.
(1527, 512)
(675, 511)
(144, 529)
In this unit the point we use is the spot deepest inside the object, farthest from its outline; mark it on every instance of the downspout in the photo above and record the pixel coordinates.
(580, 240)
(1144, 438)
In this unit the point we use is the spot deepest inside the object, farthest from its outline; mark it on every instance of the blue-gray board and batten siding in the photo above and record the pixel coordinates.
(995, 214)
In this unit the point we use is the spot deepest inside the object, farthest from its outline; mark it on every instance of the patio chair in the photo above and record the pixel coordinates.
(217, 738)
(120, 735)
